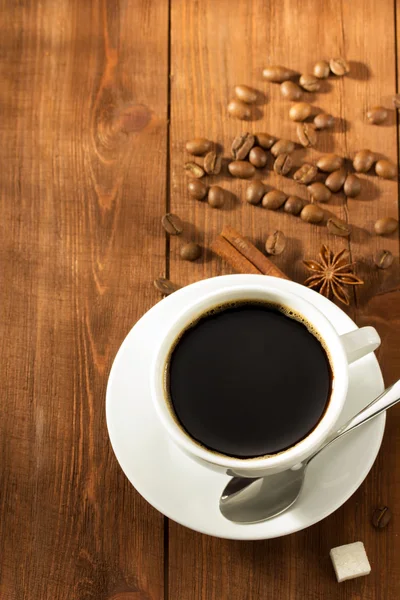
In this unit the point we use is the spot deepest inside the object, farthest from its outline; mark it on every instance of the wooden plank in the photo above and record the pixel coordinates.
(83, 159)
(214, 47)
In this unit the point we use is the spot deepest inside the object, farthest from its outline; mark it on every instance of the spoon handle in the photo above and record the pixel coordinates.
(387, 399)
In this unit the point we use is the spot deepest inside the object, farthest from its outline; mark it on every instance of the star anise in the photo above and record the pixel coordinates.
(331, 274)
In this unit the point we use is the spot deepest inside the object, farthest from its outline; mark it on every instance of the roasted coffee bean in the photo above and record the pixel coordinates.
(335, 180)
(383, 259)
(386, 226)
(385, 169)
(338, 227)
(241, 169)
(258, 157)
(241, 145)
(172, 224)
(319, 192)
(194, 170)
(324, 121)
(212, 163)
(321, 69)
(277, 73)
(246, 94)
(352, 186)
(197, 189)
(239, 110)
(165, 286)
(290, 90)
(255, 192)
(339, 66)
(282, 147)
(265, 140)
(310, 82)
(199, 146)
(276, 243)
(381, 517)
(293, 205)
(300, 111)
(363, 161)
(396, 100)
(216, 196)
(312, 213)
(274, 199)
(306, 134)
(283, 164)
(190, 251)
(377, 115)
(330, 163)
(306, 174)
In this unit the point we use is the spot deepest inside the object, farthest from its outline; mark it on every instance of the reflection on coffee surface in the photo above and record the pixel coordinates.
(248, 379)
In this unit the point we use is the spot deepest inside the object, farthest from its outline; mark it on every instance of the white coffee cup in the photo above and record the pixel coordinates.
(342, 351)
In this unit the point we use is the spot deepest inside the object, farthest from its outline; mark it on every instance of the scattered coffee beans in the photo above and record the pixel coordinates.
(216, 196)
(381, 517)
(283, 164)
(312, 213)
(241, 169)
(282, 147)
(274, 199)
(265, 140)
(275, 243)
(335, 180)
(339, 66)
(306, 174)
(239, 110)
(165, 286)
(310, 82)
(319, 192)
(172, 224)
(290, 90)
(385, 169)
(352, 186)
(258, 157)
(306, 134)
(383, 259)
(363, 161)
(338, 227)
(377, 115)
(396, 100)
(386, 226)
(246, 94)
(300, 111)
(212, 163)
(197, 189)
(324, 121)
(330, 163)
(293, 205)
(190, 251)
(255, 192)
(194, 170)
(199, 146)
(241, 146)
(321, 69)
(277, 73)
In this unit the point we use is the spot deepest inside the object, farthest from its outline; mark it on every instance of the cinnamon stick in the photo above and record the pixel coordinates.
(242, 255)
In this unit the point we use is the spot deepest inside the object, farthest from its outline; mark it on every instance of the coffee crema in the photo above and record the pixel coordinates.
(248, 379)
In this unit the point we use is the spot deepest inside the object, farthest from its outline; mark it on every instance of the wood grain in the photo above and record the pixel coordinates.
(84, 113)
(214, 47)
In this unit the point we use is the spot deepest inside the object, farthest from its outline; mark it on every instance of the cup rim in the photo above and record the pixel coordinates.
(292, 454)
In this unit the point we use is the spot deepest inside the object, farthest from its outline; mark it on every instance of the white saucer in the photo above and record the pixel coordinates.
(188, 492)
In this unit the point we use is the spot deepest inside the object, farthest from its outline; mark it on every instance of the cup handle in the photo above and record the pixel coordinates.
(360, 342)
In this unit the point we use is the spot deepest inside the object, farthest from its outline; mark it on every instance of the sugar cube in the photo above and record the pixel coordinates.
(350, 561)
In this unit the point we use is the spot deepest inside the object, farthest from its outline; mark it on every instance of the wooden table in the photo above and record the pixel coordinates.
(97, 99)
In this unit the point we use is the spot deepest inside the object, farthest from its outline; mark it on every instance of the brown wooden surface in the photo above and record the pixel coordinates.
(87, 90)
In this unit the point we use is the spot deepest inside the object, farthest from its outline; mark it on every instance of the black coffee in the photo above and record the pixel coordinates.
(247, 380)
